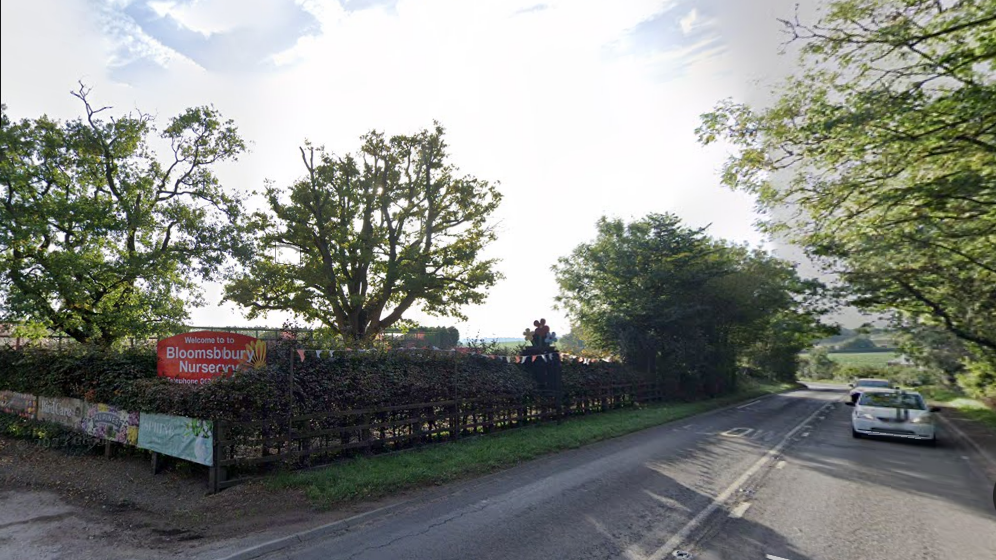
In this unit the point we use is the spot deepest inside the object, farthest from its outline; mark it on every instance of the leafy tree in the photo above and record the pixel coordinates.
(858, 344)
(425, 337)
(879, 158)
(571, 341)
(935, 348)
(819, 365)
(772, 313)
(377, 233)
(99, 237)
(671, 300)
(627, 289)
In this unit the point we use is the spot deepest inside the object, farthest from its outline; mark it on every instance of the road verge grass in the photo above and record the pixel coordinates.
(970, 408)
(383, 475)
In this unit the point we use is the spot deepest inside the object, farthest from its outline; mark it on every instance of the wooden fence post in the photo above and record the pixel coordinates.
(366, 433)
(216, 473)
(455, 427)
(158, 462)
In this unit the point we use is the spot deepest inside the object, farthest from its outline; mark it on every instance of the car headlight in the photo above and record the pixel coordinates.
(864, 416)
(925, 419)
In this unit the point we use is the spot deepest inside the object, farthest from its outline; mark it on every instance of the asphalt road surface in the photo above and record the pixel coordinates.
(775, 479)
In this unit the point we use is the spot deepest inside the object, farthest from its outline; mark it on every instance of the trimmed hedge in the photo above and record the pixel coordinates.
(585, 379)
(127, 379)
(82, 373)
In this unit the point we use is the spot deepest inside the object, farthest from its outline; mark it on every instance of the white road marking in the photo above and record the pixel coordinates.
(805, 434)
(737, 432)
(751, 403)
(773, 557)
(725, 495)
(740, 510)
(780, 465)
(986, 457)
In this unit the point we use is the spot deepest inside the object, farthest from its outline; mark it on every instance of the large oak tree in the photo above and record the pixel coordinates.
(374, 235)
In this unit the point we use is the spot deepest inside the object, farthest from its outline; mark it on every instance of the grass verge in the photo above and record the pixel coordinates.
(971, 408)
(378, 476)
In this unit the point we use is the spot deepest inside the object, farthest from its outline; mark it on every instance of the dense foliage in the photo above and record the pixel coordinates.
(374, 234)
(349, 381)
(424, 337)
(81, 372)
(879, 158)
(100, 238)
(587, 379)
(697, 311)
(352, 380)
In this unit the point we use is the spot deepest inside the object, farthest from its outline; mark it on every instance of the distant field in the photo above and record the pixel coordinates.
(863, 358)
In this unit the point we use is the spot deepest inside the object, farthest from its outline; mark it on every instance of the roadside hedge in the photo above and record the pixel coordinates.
(127, 379)
(83, 373)
(583, 380)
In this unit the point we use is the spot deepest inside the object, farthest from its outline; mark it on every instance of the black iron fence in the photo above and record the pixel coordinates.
(246, 449)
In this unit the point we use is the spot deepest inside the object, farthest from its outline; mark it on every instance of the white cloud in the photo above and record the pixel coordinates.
(554, 102)
(688, 23)
(209, 17)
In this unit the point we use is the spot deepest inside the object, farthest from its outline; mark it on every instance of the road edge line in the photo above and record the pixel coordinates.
(310, 534)
(987, 459)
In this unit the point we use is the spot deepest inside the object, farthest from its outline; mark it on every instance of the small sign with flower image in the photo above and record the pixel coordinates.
(19, 404)
(111, 423)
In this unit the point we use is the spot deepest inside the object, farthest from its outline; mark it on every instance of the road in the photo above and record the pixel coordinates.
(775, 479)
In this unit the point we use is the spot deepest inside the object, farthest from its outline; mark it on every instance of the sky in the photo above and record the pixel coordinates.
(578, 108)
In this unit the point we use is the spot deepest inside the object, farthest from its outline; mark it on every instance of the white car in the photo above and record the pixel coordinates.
(860, 385)
(893, 413)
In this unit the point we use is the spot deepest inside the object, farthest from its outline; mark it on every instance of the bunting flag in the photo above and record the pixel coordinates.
(548, 357)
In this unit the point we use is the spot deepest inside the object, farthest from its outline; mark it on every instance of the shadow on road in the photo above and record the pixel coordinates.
(757, 540)
(907, 467)
(686, 481)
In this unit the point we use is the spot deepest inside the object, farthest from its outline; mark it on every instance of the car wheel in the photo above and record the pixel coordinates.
(855, 434)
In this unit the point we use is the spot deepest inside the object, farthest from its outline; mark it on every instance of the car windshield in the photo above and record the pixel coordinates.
(892, 400)
(872, 383)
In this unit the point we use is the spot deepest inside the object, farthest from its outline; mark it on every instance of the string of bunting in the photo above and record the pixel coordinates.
(509, 359)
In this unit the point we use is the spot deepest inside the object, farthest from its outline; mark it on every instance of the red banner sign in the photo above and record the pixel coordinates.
(197, 357)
